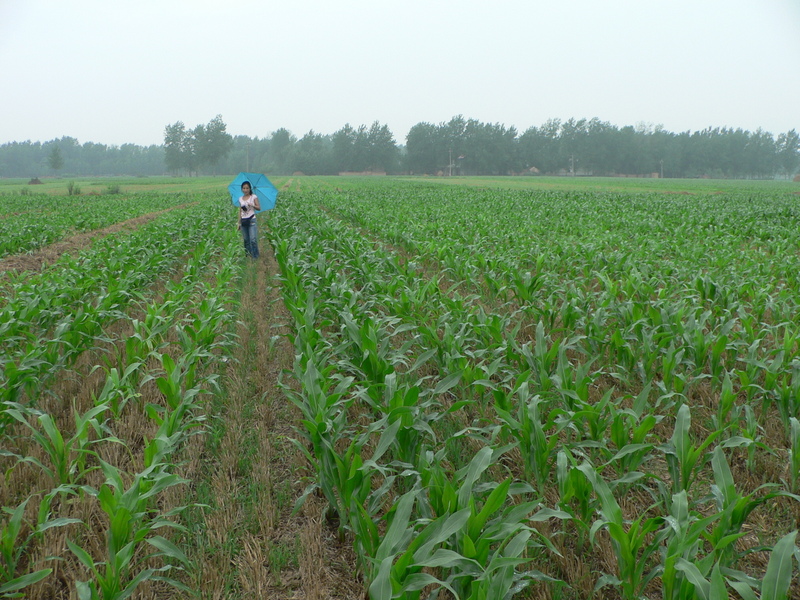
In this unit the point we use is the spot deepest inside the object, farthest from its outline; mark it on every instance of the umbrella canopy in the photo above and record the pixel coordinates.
(262, 187)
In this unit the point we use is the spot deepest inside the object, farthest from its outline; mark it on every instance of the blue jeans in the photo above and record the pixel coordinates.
(250, 235)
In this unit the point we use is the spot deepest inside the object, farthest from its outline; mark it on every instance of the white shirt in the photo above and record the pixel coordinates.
(248, 204)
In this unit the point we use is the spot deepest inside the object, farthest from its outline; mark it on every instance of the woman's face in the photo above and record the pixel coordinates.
(246, 189)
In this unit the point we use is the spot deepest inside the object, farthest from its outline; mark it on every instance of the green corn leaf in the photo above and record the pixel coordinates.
(468, 547)
(24, 581)
(517, 545)
(417, 581)
(718, 590)
(167, 548)
(447, 383)
(607, 580)
(744, 590)
(437, 532)
(450, 558)
(610, 507)
(86, 590)
(381, 586)
(399, 527)
(779, 569)
(82, 555)
(131, 587)
(493, 503)
(693, 574)
(476, 467)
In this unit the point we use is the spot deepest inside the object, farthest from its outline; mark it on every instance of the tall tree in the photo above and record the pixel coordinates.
(281, 144)
(421, 148)
(788, 147)
(212, 143)
(382, 149)
(176, 145)
(344, 141)
(55, 160)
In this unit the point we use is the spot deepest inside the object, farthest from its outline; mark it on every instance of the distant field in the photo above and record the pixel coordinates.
(100, 185)
(538, 387)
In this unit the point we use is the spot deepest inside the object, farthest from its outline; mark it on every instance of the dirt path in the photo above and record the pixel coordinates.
(36, 261)
(253, 474)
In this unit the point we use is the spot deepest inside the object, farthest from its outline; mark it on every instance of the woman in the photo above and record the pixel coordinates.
(249, 204)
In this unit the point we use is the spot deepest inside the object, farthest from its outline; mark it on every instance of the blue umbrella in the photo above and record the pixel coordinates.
(261, 186)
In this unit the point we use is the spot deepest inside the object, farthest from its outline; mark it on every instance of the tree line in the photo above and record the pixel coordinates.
(459, 146)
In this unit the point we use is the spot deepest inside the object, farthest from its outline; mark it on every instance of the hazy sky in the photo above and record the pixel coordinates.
(117, 71)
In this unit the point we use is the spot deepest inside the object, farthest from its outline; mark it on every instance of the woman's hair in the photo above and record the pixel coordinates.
(250, 185)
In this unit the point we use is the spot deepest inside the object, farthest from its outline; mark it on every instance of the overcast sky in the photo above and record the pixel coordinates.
(119, 71)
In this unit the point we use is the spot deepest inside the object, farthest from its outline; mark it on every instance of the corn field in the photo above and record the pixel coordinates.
(495, 391)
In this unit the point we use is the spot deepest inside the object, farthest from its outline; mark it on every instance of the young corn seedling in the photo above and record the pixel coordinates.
(478, 549)
(132, 518)
(629, 432)
(672, 379)
(733, 508)
(344, 477)
(11, 550)
(413, 417)
(325, 426)
(684, 459)
(67, 458)
(717, 364)
(576, 496)
(13, 545)
(788, 396)
(120, 389)
(778, 577)
(395, 567)
(794, 455)
(541, 359)
(634, 545)
(591, 424)
(177, 414)
(681, 566)
(490, 537)
(726, 405)
(537, 438)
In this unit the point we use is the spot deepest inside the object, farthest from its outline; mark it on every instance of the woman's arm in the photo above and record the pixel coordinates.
(256, 202)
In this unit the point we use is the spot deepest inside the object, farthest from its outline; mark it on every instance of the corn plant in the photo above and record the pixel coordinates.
(397, 559)
(778, 577)
(478, 548)
(537, 436)
(629, 432)
(794, 455)
(682, 566)
(325, 426)
(67, 458)
(13, 545)
(697, 582)
(576, 495)
(634, 546)
(179, 401)
(684, 458)
(132, 518)
(725, 408)
(374, 359)
(733, 508)
(11, 550)
(788, 396)
(121, 388)
(413, 417)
